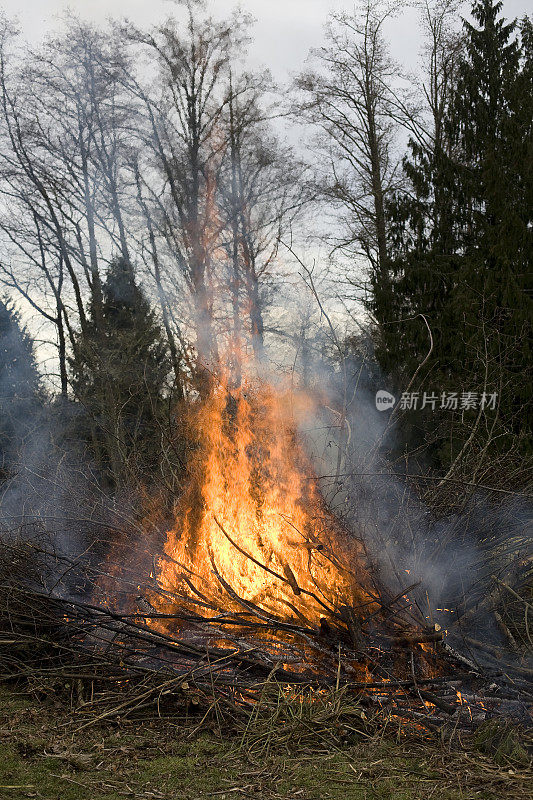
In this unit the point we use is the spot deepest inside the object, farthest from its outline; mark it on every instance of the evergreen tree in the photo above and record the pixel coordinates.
(461, 244)
(491, 124)
(119, 373)
(19, 387)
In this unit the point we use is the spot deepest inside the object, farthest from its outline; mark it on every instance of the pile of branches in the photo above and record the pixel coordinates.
(502, 594)
(116, 664)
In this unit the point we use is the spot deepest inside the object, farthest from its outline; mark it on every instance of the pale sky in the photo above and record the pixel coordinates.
(284, 32)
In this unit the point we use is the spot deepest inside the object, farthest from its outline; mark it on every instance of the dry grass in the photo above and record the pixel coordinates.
(289, 750)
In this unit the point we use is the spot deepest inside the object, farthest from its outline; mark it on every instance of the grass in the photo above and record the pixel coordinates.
(294, 752)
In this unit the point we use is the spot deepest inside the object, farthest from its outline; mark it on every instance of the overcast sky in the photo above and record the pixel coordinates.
(284, 32)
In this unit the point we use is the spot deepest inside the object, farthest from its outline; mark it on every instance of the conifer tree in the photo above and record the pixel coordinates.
(492, 129)
(119, 374)
(461, 244)
(19, 387)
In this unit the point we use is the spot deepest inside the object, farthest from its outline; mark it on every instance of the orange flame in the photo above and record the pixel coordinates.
(252, 527)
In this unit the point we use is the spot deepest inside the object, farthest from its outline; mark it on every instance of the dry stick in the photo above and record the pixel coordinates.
(133, 629)
(506, 632)
(246, 623)
(131, 584)
(478, 605)
(291, 578)
(306, 634)
(522, 600)
(271, 622)
(57, 645)
(179, 680)
(180, 565)
(138, 631)
(415, 690)
(176, 595)
(311, 545)
(202, 597)
(319, 547)
(251, 607)
(303, 633)
(496, 653)
(276, 574)
(436, 701)
(181, 647)
(236, 655)
(148, 636)
(198, 669)
(385, 605)
(298, 613)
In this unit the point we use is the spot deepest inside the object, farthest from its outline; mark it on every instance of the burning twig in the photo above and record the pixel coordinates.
(273, 573)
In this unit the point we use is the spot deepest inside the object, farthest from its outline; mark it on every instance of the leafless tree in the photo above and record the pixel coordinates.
(183, 110)
(349, 97)
(64, 149)
(442, 48)
(260, 197)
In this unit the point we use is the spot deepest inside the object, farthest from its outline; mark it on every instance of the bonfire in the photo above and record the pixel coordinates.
(255, 582)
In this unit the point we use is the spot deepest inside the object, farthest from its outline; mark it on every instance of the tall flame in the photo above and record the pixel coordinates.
(252, 527)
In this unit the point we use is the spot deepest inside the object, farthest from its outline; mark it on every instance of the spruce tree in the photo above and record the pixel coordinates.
(461, 247)
(491, 125)
(119, 371)
(19, 388)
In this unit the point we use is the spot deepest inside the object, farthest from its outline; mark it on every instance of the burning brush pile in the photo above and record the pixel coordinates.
(256, 583)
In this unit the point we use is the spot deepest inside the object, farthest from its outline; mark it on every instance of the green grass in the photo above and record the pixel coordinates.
(289, 757)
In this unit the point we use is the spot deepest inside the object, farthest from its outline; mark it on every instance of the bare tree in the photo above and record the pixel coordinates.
(350, 99)
(429, 136)
(183, 111)
(63, 155)
(37, 254)
(260, 197)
